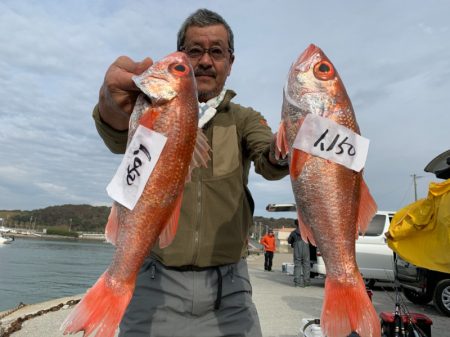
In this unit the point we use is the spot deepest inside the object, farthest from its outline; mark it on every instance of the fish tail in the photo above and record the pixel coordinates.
(348, 308)
(100, 310)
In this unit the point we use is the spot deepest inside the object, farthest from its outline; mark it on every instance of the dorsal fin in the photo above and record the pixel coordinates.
(201, 156)
(170, 229)
(367, 208)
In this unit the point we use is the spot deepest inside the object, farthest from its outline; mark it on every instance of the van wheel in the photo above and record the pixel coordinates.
(416, 297)
(369, 283)
(441, 297)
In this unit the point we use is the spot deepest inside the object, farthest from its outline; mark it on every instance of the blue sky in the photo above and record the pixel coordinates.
(393, 57)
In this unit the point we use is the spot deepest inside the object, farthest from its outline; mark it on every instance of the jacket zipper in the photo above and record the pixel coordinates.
(197, 226)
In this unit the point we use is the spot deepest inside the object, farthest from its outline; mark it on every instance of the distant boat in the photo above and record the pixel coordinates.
(3, 229)
(5, 240)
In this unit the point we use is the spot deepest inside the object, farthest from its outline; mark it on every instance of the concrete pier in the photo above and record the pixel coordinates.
(280, 306)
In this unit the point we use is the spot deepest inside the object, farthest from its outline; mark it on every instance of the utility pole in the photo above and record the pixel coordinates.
(415, 177)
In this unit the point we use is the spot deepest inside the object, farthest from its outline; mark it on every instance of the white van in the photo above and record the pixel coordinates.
(373, 256)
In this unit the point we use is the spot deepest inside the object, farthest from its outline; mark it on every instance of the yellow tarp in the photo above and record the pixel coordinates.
(420, 232)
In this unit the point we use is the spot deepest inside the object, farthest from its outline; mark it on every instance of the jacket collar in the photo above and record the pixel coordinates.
(229, 94)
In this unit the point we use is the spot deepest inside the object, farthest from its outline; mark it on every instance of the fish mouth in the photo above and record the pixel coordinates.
(307, 58)
(158, 91)
(147, 99)
(158, 99)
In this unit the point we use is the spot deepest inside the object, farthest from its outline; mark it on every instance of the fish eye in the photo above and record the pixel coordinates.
(324, 70)
(179, 69)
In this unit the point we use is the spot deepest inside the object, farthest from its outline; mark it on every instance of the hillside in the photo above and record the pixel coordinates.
(89, 218)
(74, 217)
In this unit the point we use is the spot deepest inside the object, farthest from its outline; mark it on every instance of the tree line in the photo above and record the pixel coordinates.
(84, 218)
(87, 218)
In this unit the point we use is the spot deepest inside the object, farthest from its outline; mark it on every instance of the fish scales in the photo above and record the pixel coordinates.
(142, 225)
(170, 108)
(332, 200)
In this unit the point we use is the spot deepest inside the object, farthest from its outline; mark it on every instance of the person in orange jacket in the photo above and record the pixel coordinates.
(268, 241)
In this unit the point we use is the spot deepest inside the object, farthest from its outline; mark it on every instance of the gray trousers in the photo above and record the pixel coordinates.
(169, 302)
(302, 265)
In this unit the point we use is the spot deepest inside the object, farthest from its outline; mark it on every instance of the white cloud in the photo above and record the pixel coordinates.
(51, 188)
(54, 56)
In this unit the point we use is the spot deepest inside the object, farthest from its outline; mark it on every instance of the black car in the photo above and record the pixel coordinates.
(421, 285)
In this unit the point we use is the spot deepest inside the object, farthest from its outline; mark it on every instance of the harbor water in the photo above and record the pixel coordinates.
(36, 270)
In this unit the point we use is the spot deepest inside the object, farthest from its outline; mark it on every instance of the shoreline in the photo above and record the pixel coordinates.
(94, 238)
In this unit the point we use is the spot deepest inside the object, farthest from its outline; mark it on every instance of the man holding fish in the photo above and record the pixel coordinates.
(198, 285)
(179, 267)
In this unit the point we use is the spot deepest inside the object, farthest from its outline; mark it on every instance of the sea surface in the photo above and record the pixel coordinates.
(37, 270)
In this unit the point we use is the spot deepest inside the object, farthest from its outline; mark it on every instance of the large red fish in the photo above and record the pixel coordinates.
(170, 108)
(333, 201)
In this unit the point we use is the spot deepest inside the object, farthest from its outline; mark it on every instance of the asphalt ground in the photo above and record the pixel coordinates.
(281, 307)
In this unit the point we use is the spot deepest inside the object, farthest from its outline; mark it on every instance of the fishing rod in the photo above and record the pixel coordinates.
(401, 322)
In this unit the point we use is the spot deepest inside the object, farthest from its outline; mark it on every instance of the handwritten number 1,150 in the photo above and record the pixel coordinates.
(351, 149)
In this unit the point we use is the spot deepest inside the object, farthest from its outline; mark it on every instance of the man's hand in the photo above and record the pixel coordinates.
(118, 93)
(275, 156)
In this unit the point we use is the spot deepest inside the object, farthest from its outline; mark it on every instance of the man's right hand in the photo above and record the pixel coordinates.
(118, 93)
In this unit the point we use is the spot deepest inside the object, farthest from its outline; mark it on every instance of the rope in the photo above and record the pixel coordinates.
(9, 312)
(16, 325)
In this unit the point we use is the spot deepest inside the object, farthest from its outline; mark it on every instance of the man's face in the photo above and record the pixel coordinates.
(210, 73)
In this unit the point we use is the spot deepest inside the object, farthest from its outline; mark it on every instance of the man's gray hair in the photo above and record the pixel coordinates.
(203, 18)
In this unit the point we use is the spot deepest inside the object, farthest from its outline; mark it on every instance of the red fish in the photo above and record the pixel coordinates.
(171, 109)
(333, 201)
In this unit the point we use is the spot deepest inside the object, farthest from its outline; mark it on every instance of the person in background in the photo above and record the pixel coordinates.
(269, 243)
(301, 258)
(199, 285)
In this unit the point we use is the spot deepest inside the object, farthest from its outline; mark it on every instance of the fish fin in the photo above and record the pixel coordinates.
(306, 232)
(170, 229)
(101, 309)
(112, 227)
(347, 308)
(149, 117)
(367, 209)
(201, 156)
(281, 142)
(298, 160)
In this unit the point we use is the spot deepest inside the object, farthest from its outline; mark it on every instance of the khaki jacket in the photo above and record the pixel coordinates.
(217, 208)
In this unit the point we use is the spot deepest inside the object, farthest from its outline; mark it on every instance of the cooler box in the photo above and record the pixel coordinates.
(287, 268)
(387, 323)
(310, 327)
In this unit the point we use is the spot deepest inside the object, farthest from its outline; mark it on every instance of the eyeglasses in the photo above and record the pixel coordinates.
(217, 53)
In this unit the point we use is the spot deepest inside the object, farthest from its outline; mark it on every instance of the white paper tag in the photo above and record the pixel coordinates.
(327, 139)
(137, 164)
